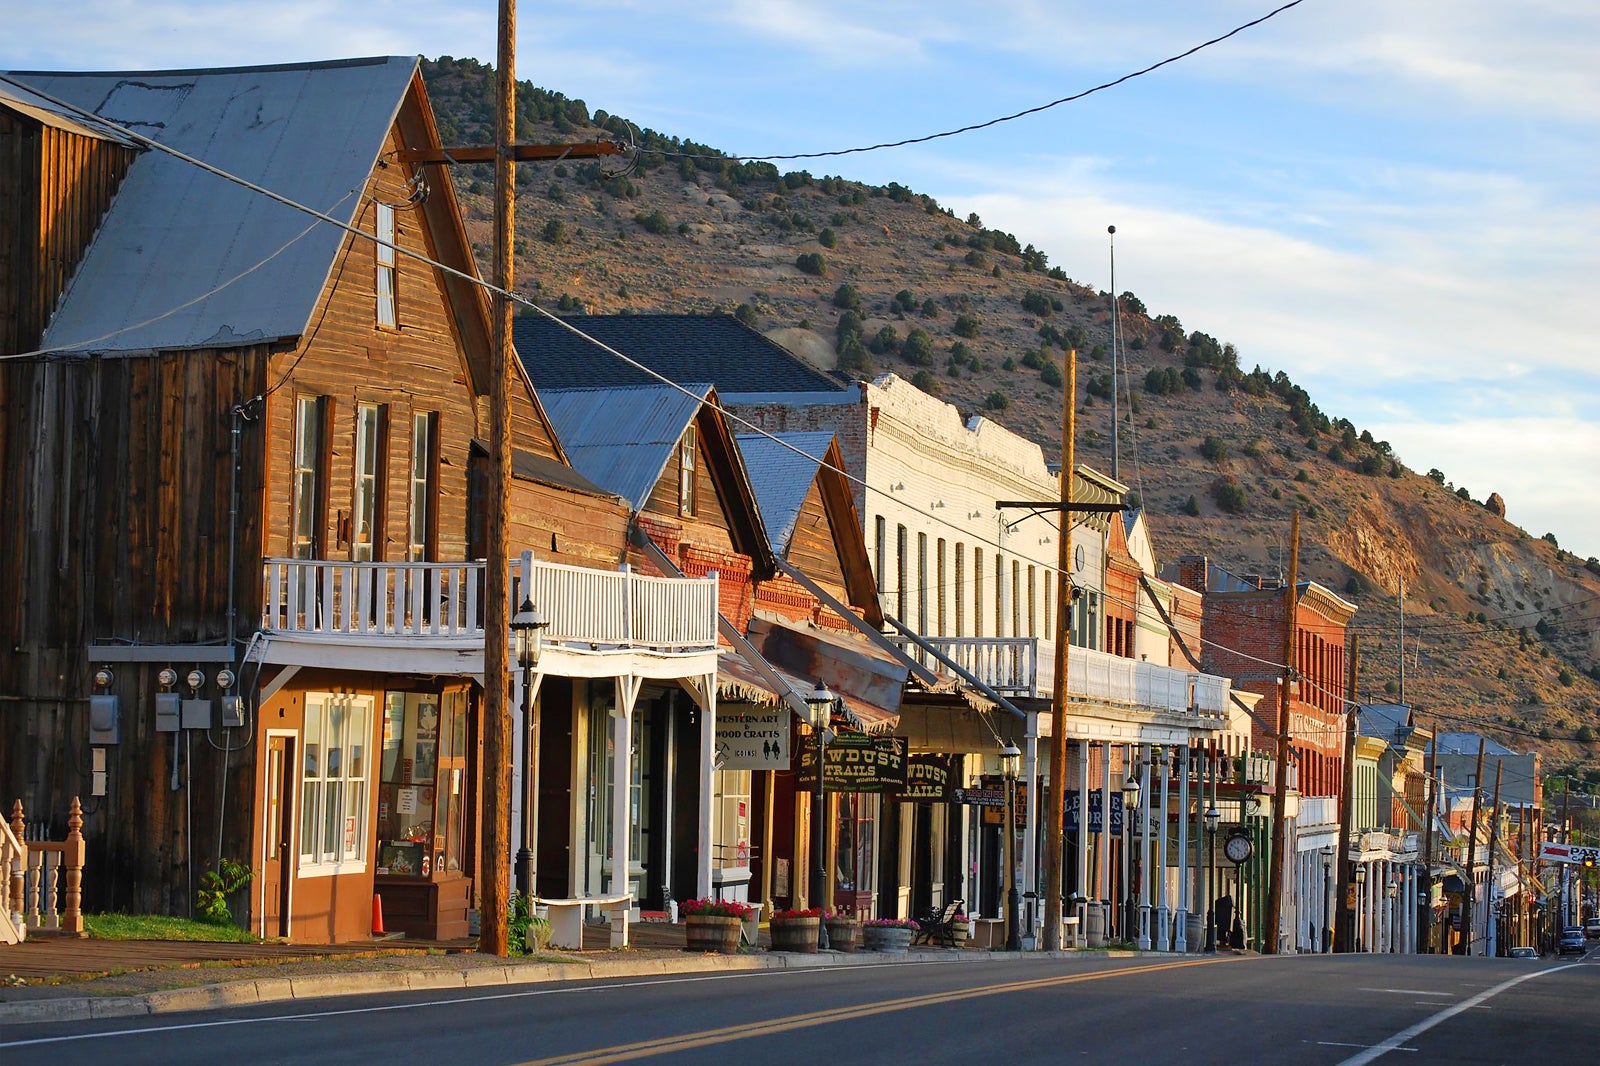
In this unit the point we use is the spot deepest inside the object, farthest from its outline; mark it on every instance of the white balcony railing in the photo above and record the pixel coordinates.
(1025, 666)
(599, 609)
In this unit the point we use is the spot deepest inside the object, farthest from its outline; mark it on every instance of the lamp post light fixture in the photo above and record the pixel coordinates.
(1130, 804)
(1327, 894)
(1010, 766)
(1358, 940)
(820, 704)
(1213, 818)
(526, 626)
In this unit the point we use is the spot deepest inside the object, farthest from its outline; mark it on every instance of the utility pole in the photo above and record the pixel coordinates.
(1472, 855)
(1343, 940)
(1494, 839)
(494, 875)
(1402, 640)
(1116, 330)
(1291, 603)
(1056, 823)
(1430, 811)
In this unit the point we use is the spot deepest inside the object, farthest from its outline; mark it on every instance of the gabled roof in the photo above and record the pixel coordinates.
(216, 264)
(57, 117)
(1389, 721)
(1467, 744)
(623, 438)
(782, 477)
(720, 349)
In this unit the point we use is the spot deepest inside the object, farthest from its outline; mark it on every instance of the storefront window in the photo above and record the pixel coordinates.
(601, 761)
(419, 797)
(730, 820)
(853, 879)
(333, 783)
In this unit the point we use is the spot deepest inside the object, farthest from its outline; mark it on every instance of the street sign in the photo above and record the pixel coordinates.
(1571, 854)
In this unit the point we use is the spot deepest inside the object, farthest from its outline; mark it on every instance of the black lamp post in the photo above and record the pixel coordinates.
(1010, 766)
(1130, 804)
(1213, 819)
(1358, 931)
(1327, 895)
(820, 703)
(525, 628)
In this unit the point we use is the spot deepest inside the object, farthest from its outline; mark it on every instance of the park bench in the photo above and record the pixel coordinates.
(938, 927)
(566, 918)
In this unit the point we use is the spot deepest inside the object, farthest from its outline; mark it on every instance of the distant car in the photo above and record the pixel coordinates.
(1524, 953)
(1591, 928)
(1572, 941)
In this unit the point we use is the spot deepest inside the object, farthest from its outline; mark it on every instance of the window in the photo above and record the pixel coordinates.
(880, 545)
(366, 543)
(977, 592)
(941, 579)
(1033, 616)
(333, 783)
(386, 268)
(999, 595)
(730, 820)
(422, 789)
(1016, 598)
(961, 589)
(422, 539)
(310, 476)
(922, 583)
(686, 472)
(901, 581)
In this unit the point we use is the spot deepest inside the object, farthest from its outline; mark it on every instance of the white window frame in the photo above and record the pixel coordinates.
(424, 462)
(310, 432)
(387, 269)
(686, 473)
(366, 520)
(320, 851)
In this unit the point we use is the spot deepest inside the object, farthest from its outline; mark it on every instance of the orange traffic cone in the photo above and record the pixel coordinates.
(377, 915)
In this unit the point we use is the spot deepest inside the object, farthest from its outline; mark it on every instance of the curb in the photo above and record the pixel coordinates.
(250, 991)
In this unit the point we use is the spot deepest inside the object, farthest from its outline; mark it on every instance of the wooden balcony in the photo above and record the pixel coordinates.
(1025, 666)
(440, 605)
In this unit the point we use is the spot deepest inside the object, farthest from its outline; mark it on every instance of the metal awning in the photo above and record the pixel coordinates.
(869, 681)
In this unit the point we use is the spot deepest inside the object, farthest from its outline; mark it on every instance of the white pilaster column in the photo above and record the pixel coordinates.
(1104, 841)
(1143, 843)
(627, 693)
(1030, 835)
(1180, 938)
(1083, 826)
(708, 734)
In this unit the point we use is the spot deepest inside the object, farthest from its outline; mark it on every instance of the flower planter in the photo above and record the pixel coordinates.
(886, 938)
(962, 931)
(844, 934)
(794, 934)
(711, 933)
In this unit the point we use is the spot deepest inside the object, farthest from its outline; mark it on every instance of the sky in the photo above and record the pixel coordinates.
(1398, 205)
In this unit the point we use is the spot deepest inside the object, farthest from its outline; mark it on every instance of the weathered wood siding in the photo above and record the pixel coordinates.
(55, 186)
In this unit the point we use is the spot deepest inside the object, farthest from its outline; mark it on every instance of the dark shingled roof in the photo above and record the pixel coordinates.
(718, 349)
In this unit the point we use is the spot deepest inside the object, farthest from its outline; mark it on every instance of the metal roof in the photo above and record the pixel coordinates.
(54, 115)
(622, 438)
(715, 348)
(1467, 744)
(782, 477)
(190, 260)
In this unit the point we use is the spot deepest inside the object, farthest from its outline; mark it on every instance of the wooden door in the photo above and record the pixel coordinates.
(278, 836)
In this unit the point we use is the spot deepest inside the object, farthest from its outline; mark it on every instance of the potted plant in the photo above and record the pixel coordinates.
(888, 934)
(844, 931)
(712, 925)
(795, 930)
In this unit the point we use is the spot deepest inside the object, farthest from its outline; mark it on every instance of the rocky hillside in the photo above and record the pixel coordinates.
(1503, 628)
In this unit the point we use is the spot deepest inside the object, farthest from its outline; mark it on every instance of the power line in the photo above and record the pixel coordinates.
(993, 121)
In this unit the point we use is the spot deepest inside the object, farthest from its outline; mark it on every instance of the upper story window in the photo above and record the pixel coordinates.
(900, 578)
(310, 477)
(961, 589)
(366, 542)
(387, 269)
(879, 548)
(686, 473)
(422, 537)
(922, 583)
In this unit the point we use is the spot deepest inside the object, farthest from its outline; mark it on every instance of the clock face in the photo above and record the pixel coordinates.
(1077, 558)
(1238, 849)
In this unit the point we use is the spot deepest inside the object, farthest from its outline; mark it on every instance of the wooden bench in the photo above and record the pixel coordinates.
(939, 927)
(566, 918)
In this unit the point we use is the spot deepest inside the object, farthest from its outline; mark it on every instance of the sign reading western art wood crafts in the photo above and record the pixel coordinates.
(753, 738)
(856, 763)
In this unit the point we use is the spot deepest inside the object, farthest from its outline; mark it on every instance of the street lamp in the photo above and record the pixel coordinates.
(1358, 941)
(1010, 766)
(1130, 803)
(1213, 819)
(820, 704)
(525, 630)
(1327, 894)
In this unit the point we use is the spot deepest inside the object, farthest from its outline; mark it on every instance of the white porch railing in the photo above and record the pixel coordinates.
(604, 608)
(1025, 666)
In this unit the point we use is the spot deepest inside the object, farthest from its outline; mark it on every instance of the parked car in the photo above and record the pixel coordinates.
(1591, 928)
(1572, 941)
(1524, 953)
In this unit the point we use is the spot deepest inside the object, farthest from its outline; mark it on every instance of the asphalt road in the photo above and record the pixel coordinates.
(1233, 1010)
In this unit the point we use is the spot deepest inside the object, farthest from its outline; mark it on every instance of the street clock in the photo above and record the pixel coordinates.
(1238, 847)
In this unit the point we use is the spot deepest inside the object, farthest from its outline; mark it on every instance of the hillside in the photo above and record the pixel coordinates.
(1503, 628)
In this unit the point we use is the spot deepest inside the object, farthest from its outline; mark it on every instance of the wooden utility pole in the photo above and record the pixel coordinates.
(1291, 603)
(1430, 812)
(1494, 840)
(1342, 938)
(494, 873)
(1472, 856)
(1056, 823)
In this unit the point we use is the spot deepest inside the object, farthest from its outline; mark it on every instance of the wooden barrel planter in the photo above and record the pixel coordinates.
(886, 938)
(844, 934)
(794, 934)
(711, 933)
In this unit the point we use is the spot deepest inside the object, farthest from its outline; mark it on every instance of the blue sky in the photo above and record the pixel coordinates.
(1396, 204)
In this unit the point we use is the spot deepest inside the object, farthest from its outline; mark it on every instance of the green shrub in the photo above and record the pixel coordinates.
(811, 263)
(828, 239)
(746, 314)
(555, 232)
(918, 348)
(1051, 375)
(1214, 448)
(654, 222)
(1036, 303)
(996, 401)
(211, 901)
(1229, 495)
(847, 296)
(966, 326)
(885, 340)
(925, 381)
(1192, 507)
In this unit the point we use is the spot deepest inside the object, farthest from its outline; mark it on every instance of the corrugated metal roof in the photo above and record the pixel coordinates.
(177, 242)
(1467, 744)
(622, 438)
(54, 115)
(715, 348)
(781, 477)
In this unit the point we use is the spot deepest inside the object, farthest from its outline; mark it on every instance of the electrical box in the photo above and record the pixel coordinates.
(232, 712)
(105, 717)
(98, 786)
(197, 714)
(168, 706)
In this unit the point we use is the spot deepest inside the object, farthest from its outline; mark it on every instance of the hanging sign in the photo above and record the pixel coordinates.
(927, 779)
(1096, 822)
(856, 762)
(752, 738)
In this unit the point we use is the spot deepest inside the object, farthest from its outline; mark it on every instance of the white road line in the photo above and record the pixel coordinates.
(1339, 1043)
(1407, 992)
(1394, 1042)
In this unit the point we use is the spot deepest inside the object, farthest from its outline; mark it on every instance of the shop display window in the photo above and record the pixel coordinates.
(422, 790)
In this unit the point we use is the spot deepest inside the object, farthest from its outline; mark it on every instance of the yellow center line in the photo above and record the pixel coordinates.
(707, 1037)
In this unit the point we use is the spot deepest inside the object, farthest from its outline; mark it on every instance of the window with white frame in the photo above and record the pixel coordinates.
(387, 316)
(309, 477)
(333, 783)
(367, 535)
(421, 538)
(686, 473)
